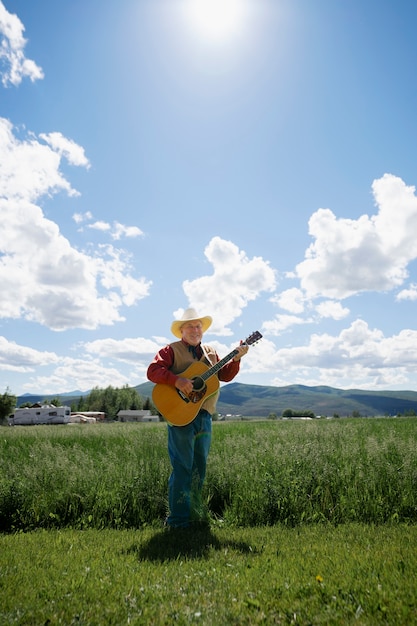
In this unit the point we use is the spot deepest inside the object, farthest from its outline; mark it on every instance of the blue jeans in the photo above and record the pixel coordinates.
(188, 448)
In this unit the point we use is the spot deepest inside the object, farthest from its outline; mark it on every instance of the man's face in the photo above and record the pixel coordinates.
(192, 332)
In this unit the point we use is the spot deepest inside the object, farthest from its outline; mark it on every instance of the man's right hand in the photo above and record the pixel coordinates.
(185, 385)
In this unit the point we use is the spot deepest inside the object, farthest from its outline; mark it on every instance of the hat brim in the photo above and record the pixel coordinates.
(176, 326)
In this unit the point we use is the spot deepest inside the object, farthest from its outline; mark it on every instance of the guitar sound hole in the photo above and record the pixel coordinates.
(198, 383)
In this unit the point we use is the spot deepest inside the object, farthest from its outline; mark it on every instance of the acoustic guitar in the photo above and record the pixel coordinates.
(179, 409)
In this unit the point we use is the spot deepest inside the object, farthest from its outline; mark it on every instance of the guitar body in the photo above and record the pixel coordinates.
(177, 409)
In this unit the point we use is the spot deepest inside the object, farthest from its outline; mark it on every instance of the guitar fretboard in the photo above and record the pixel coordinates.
(218, 366)
(253, 338)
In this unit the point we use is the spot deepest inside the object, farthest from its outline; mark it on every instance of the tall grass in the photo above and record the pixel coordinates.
(286, 472)
(293, 472)
(82, 476)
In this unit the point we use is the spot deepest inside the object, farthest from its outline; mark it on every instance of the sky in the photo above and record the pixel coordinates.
(253, 159)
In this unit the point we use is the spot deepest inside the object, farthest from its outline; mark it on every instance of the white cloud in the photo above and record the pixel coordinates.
(113, 272)
(28, 168)
(117, 230)
(358, 357)
(332, 309)
(408, 294)
(65, 373)
(100, 225)
(72, 374)
(79, 218)
(44, 279)
(282, 322)
(128, 350)
(291, 300)
(368, 254)
(236, 280)
(125, 231)
(18, 358)
(14, 66)
(294, 300)
(67, 148)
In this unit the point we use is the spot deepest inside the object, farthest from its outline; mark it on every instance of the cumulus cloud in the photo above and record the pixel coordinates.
(14, 66)
(67, 148)
(79, 218)
(18, 358)
(332, 309)
(100, 225)
(368, 254)
(282, 322)
(65, 373)
(44, 279)
(408, 294)
(29, 168)
(359, 356)
(117, 230)
(236, 280)
(72, 375)
(129, 350)
(291, 300)
(295, 301)
(120, 230)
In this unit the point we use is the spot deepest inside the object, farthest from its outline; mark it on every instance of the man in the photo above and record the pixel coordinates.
(188, 446)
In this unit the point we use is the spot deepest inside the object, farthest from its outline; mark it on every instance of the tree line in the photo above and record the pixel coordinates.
(110, 401)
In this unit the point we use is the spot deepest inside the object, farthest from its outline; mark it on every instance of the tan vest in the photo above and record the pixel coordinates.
(183, 359)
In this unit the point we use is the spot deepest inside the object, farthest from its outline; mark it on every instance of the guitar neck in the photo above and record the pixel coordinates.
(253, 338)
(218, 366)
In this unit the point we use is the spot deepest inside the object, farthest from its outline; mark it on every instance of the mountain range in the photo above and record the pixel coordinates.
(261, 401)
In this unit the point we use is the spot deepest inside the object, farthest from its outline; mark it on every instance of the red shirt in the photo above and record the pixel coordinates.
(159, 370)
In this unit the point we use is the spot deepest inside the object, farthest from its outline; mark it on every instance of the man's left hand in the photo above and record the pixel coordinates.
(242, 350)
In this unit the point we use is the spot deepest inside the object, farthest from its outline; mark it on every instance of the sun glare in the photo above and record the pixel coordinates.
(215, 20)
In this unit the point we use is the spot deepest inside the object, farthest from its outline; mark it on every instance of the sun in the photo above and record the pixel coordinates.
(215, 20)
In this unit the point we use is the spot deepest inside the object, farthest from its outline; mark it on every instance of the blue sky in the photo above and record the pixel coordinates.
(253, 159)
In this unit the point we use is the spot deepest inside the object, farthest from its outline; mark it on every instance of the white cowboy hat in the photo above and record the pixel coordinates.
(190, 315)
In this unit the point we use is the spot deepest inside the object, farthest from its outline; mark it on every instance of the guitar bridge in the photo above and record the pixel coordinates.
(195, 396)
(183, 396)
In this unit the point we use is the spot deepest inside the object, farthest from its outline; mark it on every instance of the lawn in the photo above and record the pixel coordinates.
(350, 574)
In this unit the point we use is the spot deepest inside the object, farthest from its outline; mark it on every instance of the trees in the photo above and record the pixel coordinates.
(7, 404)
(292, 413)
(111, 400)
(55, 401)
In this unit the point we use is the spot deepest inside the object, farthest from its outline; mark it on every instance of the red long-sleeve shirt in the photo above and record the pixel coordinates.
(159, 370)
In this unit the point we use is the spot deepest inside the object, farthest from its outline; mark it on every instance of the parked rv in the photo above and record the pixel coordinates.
(40, 414)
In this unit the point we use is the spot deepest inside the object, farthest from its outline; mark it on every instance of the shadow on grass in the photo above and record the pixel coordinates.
(190, 543)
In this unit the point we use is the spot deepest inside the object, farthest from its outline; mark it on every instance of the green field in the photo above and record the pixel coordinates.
(312, 523)
(281, 472)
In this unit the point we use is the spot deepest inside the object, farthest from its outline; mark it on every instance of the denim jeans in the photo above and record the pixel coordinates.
(188, 448)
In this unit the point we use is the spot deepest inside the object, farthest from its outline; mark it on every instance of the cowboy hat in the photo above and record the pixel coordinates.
(190, 315)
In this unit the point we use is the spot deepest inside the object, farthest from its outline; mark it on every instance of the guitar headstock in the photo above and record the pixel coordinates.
(253, 338)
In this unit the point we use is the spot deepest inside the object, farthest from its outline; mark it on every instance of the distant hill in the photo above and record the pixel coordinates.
(260, 401)
(257, 400)
(66, 398)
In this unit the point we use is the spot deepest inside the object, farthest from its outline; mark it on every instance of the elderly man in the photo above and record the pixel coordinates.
(189, 444)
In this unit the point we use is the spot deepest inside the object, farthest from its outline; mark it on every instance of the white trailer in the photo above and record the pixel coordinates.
(45, 414)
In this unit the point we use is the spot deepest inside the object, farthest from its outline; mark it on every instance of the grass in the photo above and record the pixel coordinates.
(115, 475)
(362, 470)
(312, 523)
(352, 574)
